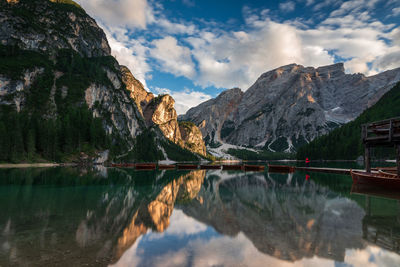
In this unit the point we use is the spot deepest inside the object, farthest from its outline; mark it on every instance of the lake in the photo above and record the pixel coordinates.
(122, 217)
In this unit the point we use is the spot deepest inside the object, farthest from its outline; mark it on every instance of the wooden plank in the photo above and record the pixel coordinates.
(367, 159)
(398, 159)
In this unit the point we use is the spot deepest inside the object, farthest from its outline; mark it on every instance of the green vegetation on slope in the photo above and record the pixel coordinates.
(42, 131)
(345, 142)
(28, 137)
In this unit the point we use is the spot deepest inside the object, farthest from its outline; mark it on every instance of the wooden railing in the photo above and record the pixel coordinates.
(383, 133)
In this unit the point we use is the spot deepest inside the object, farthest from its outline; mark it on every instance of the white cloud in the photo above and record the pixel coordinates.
(131, 13)
(287, 6)
(185, 99)
(172, 57)
(236, 59)
(129, 52)
(396, 11)
(189, 3)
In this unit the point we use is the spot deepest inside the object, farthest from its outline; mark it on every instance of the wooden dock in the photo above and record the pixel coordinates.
(384, 133)
(325, 170)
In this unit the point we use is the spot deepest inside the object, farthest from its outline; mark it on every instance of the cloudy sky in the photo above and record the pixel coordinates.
(195, 49)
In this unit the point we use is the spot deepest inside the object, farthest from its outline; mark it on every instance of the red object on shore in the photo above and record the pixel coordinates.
(307, 160)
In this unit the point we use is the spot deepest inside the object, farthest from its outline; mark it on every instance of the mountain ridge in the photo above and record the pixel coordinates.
(290, 106)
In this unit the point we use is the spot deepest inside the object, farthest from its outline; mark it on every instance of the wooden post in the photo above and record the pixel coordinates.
(398, 159)
(391, 131)
(367, 159)
(368, 205)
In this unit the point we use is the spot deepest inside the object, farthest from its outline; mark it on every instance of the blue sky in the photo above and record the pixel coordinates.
(195, 49)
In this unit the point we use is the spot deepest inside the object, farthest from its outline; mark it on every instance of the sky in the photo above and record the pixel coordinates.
(195, 49)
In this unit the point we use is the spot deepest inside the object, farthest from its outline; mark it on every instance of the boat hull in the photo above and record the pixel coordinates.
(232, 167)
(210, 167)
(281, 168)
(257, 168)
(145, 166)
(187, 167)
(377, 179)
(166, 167)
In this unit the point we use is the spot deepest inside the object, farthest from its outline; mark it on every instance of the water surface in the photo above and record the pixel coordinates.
(122, 217)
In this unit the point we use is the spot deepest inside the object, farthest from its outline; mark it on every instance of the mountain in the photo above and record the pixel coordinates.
(62, 94)
(289, 106)
(345, 142)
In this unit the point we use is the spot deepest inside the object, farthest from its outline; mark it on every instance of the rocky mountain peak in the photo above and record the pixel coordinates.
(289, 106)
(48, 26)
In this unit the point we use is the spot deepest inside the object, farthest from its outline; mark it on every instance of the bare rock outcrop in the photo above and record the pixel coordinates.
(192, 137)
(136, 89)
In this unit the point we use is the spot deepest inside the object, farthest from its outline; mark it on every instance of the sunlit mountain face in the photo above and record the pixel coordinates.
(121, 217)
(195, 49)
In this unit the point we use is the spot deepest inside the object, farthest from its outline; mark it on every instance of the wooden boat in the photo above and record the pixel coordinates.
(253, 168)
(210, 167)
(232, 167)
(281, 168)
(145, 166)
(387, 174)
(375, 178)
(371, 190)
(166, 167)
(187, 167)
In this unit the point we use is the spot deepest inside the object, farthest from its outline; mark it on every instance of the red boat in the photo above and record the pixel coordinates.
(376, 178)
(187, 167)
(166, 167)
(232, 167)
(145, 166)
(281, 168)
(258, 168)
(210, 167)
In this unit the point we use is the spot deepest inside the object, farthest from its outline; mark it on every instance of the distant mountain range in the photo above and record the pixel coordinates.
(289, 106)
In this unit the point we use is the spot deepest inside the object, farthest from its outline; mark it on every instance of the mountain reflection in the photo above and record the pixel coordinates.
(124, 217)
(286, 221)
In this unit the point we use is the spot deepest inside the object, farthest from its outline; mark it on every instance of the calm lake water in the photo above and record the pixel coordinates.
(122, 217)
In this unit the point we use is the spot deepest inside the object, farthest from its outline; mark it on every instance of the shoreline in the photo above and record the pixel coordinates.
(28, 165)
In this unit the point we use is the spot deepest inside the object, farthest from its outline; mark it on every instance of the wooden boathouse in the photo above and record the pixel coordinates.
(384, 133)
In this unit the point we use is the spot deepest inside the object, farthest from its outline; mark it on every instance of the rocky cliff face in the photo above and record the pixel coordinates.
(160, 112)
(211, 115)
(47, 26)
(136, 89)
(192, 137)
(56, 46)
(289, 106)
